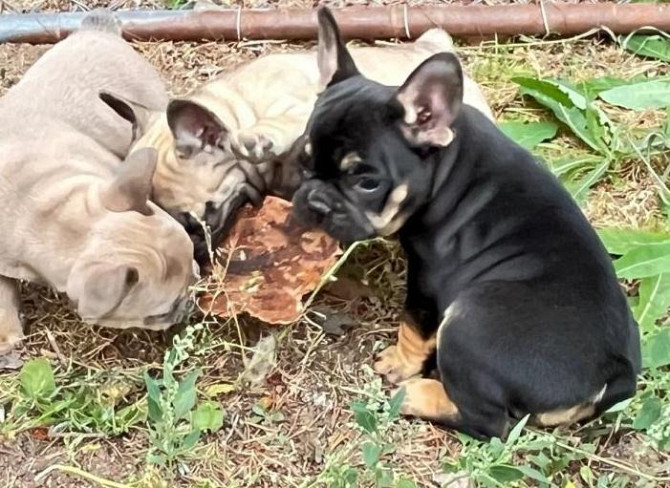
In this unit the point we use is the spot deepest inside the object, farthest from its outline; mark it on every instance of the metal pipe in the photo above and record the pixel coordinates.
(392, 21)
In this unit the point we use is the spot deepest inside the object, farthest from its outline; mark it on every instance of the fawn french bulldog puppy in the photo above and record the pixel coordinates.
(75, 213)
(230, 141)
(510, 294)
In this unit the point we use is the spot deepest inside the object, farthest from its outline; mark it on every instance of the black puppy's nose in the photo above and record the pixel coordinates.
(317, 203)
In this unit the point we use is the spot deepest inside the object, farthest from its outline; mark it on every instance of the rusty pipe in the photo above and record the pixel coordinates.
(392, 21)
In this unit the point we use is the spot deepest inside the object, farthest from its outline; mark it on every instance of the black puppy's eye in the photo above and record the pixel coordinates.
(366, 184)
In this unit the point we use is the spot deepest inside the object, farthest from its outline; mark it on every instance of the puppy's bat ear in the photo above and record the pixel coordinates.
(135, 113)
(335, 62)
(131, 188)
(432, 97)
(194, 127)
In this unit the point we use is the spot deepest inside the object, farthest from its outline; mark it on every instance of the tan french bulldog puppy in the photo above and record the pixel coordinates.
(229, 141)
(75, 214)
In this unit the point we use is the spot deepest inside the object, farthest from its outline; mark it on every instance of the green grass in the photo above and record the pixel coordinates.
(184, 413)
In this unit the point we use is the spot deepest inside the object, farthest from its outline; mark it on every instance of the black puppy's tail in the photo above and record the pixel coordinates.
(102, 20)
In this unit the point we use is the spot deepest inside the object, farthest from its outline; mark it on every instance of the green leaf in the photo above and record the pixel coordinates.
(654, 300)
(190, 441)
(656, 350)
(186, 395)
(159, 459)
(529, 134)
(371, 453)
(533, 474)
(596, 85)
(621, 241)
(655, 46)
(395, 403)
(364, 417)
(153, 398)
(207, 417)
(644, 261)
(515, 433)
(578, 189)
(37, 379)
(504, 473)
(652, 94)
(384, 478)
(350, 477)
(648, 414)
(552, 96)
(405, 483)
(575, 95)
(563, 166)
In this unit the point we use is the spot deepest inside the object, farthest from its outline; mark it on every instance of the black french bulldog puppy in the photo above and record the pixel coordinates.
(508, 285)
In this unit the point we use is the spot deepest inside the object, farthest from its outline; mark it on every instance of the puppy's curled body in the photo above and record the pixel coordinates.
(76, 213)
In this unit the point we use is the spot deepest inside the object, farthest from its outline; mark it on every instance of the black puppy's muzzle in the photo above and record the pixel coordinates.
(319, 204)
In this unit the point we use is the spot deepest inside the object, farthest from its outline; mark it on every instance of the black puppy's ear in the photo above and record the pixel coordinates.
(432, 97)
(135, 113)
(335, 62)
(194, 127)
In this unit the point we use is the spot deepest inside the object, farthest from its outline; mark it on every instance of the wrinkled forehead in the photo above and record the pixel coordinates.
(354, 109)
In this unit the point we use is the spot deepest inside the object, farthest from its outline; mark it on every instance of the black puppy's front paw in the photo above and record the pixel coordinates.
(397, 366)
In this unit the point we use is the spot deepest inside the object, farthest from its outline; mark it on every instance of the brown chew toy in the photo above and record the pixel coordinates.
(268, 263)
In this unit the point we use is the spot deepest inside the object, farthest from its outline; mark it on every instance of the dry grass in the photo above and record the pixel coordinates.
(316, 376)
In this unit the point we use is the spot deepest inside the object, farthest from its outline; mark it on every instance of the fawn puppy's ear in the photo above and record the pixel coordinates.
(194, 128)
(432, 97)
(135, 113)
(130, 189)
(335, 62)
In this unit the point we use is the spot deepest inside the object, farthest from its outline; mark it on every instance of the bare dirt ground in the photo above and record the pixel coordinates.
(316, 375)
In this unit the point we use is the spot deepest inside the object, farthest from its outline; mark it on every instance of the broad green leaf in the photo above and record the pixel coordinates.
(620, 406)
(528, 134)
(533, 474)
(37, 379)
(654, 300)
(621, 241)
(153, 398)
(648, 414)
(516, 431)
(656, 350)
(553, 97)
(190, 441)
(364, 417)
(395, 403)
(655, 46)
(596, 85)
(504, 473)
(574, 94)
(208, 416)
(644, 261)
(639, 96)
(371, 453)
(186, 395)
